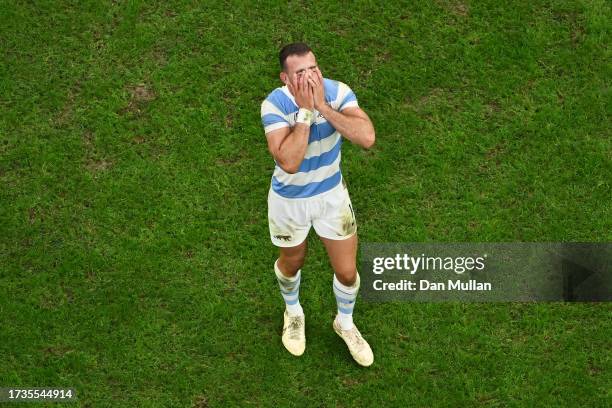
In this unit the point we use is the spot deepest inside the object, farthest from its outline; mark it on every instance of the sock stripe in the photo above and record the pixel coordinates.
(291, 292)
(345, 311)
(344, 300)
(341, 291)
(292, 302)
(291, 297)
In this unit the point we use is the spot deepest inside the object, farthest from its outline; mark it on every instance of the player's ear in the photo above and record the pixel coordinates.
(284, 77)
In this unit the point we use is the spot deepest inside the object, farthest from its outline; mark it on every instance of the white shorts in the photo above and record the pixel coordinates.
(330, 213)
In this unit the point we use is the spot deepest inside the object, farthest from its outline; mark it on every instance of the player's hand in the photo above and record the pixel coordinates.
(315, 80)
(301, 91)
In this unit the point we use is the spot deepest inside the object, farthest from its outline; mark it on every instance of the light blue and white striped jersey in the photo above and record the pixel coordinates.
(320, 169)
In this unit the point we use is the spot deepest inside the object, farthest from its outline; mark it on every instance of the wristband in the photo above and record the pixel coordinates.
(304, 116)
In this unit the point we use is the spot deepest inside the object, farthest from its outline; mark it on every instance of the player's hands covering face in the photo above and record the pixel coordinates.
(315, 81)
(301, 91)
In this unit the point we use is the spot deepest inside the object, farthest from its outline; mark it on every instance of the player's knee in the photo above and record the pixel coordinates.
(290, 264)
(347, 276)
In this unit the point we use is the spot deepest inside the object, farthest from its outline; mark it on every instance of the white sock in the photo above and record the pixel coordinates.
(290, 289)
(345, 299)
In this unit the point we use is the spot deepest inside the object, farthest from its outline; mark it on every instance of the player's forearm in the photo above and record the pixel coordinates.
(293, 148)
(358, 130)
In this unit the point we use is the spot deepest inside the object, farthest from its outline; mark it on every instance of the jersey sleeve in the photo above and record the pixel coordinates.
(346, 97)
(271, 117)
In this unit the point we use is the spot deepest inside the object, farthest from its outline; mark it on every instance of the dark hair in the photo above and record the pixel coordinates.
(292, 49)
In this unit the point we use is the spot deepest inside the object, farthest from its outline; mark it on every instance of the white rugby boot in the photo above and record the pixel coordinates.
(359, 348)
(294, 334)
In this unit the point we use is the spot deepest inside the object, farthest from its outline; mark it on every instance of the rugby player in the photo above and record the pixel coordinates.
(305, 122)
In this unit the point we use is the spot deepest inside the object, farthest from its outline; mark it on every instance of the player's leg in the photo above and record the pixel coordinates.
(337, 228)
(342, 256)
(289, 225)
(291, 259)
(288, 273)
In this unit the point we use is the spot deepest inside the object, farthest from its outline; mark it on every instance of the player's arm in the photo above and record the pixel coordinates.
(288, 146)
(352, 123)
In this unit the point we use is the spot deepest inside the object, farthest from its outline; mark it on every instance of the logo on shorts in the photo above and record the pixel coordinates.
(283, 237)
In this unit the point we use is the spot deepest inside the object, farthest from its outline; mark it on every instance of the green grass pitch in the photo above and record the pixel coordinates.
(135, 260)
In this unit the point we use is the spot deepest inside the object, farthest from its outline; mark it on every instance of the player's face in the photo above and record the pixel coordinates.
(298, 66)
